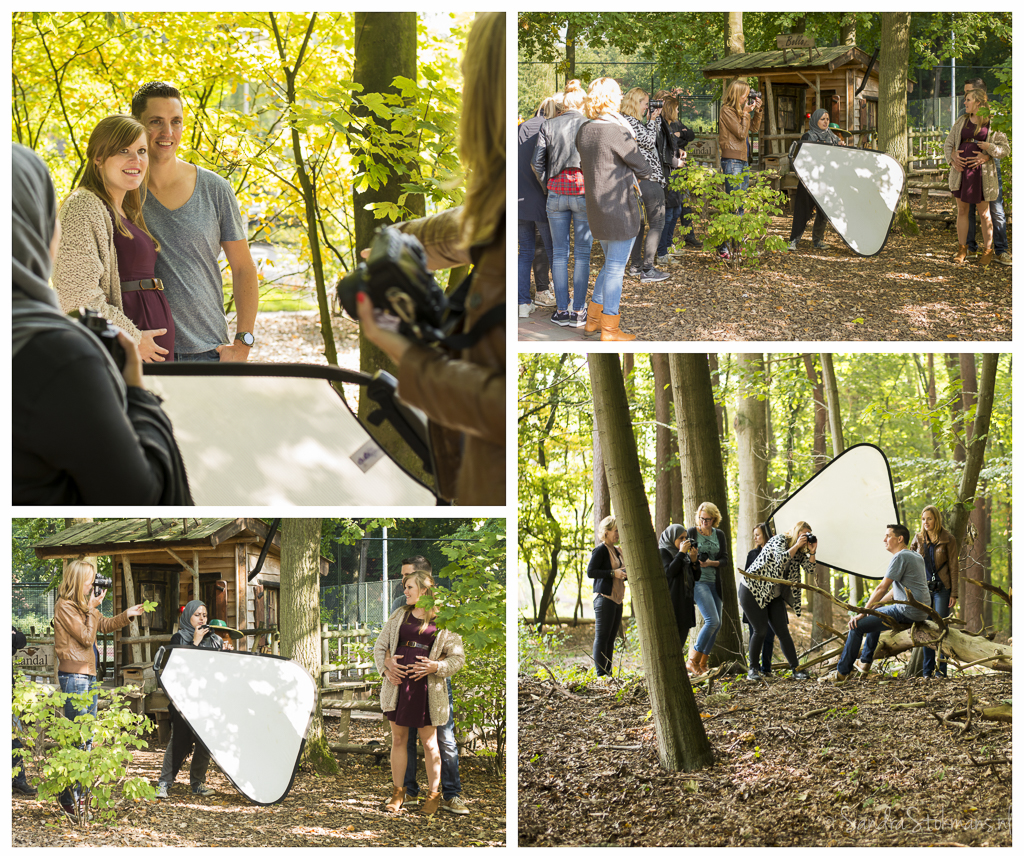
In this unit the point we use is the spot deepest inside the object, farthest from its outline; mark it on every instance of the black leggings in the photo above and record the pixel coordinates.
(607, 618)
(803, 207)
(654, 203)
(760, 619)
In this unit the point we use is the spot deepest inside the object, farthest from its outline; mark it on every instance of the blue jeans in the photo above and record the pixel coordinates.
(999, 243)
(79, 685)
(608, 287)
(940, 603)
(527, 246)
(451, 786)
(864, 637)
(735, 166)
(671, 216)
(607, 619)
(563, 210)
(710, 605)
(201, 357)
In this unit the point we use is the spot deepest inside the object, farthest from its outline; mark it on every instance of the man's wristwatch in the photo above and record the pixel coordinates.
(245, 339)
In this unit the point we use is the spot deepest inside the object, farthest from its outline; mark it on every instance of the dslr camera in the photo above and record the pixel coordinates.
(100, 584)
(812, 539)
(752, 97)
(935, 584)
(106, 332)
(395, 278)
(654, 104)
(703, 556)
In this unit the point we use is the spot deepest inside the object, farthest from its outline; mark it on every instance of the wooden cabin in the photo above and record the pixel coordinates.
(173, 561)
(797, 81)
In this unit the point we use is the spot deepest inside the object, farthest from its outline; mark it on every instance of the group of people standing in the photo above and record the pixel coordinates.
(696, 559)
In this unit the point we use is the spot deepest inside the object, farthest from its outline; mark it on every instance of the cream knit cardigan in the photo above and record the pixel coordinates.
(446, 650)
(85, 272)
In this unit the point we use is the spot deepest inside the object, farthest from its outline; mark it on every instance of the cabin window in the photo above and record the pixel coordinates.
(787, 113)
(155, 622)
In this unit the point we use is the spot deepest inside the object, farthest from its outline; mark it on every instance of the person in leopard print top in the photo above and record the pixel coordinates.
(764, 603)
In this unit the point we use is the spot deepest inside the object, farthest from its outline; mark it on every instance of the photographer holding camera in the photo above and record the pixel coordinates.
(741, 114)
(712, 556)
(84, 432)
(941, 555)
(463, 393)
(679, 559)
(76, 622)
(764, 603)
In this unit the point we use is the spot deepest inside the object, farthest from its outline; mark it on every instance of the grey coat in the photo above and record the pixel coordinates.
(611, 162)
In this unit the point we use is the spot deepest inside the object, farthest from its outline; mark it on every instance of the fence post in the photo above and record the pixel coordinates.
(325, 652)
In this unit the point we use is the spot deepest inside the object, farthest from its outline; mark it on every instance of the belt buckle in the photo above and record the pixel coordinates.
(158, 284)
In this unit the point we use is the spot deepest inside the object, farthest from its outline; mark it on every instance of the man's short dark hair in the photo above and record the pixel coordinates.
(976, 83)
(900, 531)
(153, 89)
(419, 563)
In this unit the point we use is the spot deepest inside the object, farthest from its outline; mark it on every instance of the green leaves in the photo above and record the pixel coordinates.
(149, 605)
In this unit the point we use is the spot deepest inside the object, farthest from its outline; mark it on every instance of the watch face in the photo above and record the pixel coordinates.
(246, 338)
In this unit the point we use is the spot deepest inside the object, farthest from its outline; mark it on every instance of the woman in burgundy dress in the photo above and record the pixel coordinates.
(970, 149)
(107, 256)
(415, 657)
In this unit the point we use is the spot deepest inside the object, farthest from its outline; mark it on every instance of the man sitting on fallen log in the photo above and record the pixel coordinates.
(906, 575)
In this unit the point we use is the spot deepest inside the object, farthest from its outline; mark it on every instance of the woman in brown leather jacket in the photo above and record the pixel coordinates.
(464, 394)
(76, 621)
(942, 567)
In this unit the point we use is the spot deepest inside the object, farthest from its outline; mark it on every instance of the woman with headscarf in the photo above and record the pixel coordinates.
(194, 630)
(84, 433)
(803, 205)
(678, 556)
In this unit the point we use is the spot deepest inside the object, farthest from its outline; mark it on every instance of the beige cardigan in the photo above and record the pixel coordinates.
(446, 650)
(989, 180)
(85, 272)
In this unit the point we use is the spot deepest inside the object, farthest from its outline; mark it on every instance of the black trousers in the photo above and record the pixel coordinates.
(654, 203)
(774, 616)
(803, 207)
(607, 618)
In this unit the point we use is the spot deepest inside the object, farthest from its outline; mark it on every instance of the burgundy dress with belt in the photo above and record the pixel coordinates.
(148, 309)
(412, 710)
(970, 189)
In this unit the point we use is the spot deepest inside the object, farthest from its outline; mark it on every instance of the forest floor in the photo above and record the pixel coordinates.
(294, 337)
(319, 811)
(910, 291)
(796, 763)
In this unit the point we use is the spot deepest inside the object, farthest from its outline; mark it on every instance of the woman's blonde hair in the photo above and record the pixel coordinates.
(709, 506)
(736, 94)
(603, 96)
(573, 96)
(938, 517)
(482, 135)
(425, 581)
(72, 585)
(605, 526)
(548, 108)
(793, 533)
(108, 138)
(980, 96)
(634, 103)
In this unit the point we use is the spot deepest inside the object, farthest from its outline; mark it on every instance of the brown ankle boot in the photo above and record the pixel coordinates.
(703, 663)
(593, 319)
(986, 257)
(397, 798)
(693, 664)
(610, 331)
(431, 803)
(961, 255)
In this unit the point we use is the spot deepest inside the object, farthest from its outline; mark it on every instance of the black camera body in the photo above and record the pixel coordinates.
(703, 556)
(752, 97)
(396, 279)
(812, 539)
(106, 332)
(935, 584)
(99, 584)
(654, 104)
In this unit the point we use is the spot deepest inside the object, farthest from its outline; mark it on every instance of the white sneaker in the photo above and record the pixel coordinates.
(525, 309)
(545, 297)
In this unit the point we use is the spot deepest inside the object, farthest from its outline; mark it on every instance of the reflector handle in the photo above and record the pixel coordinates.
(158, 665)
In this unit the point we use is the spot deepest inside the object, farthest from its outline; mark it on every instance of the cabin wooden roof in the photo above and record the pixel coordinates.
(761, 63)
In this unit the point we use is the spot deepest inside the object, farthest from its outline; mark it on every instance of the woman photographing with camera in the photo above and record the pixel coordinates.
(416, 657)
(764, 602)
(76, 623)
(712, 555)
(941, 554)
(740, 116)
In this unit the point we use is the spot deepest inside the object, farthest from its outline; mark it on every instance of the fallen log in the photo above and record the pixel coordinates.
(1000, 713)
(965, 648)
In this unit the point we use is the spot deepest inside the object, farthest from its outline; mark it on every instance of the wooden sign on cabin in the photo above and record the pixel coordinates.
(794, 41)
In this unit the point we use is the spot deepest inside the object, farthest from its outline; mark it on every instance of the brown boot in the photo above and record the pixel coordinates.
(703, 663)
(397, 798)
(431, 803)
(961, 255)
(593, 319)
(610, 331)
(986, 257)
(693, 664)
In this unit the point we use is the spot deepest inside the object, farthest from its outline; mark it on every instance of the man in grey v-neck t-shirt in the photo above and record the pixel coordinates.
(190, 239)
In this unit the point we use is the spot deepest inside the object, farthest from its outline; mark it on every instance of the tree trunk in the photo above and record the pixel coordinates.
(848, 29)
(932, 402)
(300, 621)
(720, 413)
(835, 420)
(602, 502)
(548, 594)
(704, 481)
(662, 443)
(682, 742)
(734, 43)
(570, 50)
(751, 446)
(893, 66)
(385, 48)
(821, 606)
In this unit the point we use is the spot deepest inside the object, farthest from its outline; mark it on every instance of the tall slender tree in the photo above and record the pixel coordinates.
(662, 443)
(751, 446)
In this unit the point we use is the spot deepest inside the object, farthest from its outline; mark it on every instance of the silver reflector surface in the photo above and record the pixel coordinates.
(857, 189)
(250, 712)
(275, 441)
(848, 505)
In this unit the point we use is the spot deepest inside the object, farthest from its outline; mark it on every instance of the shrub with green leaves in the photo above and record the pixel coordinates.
(720, 213)
(98, 773)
